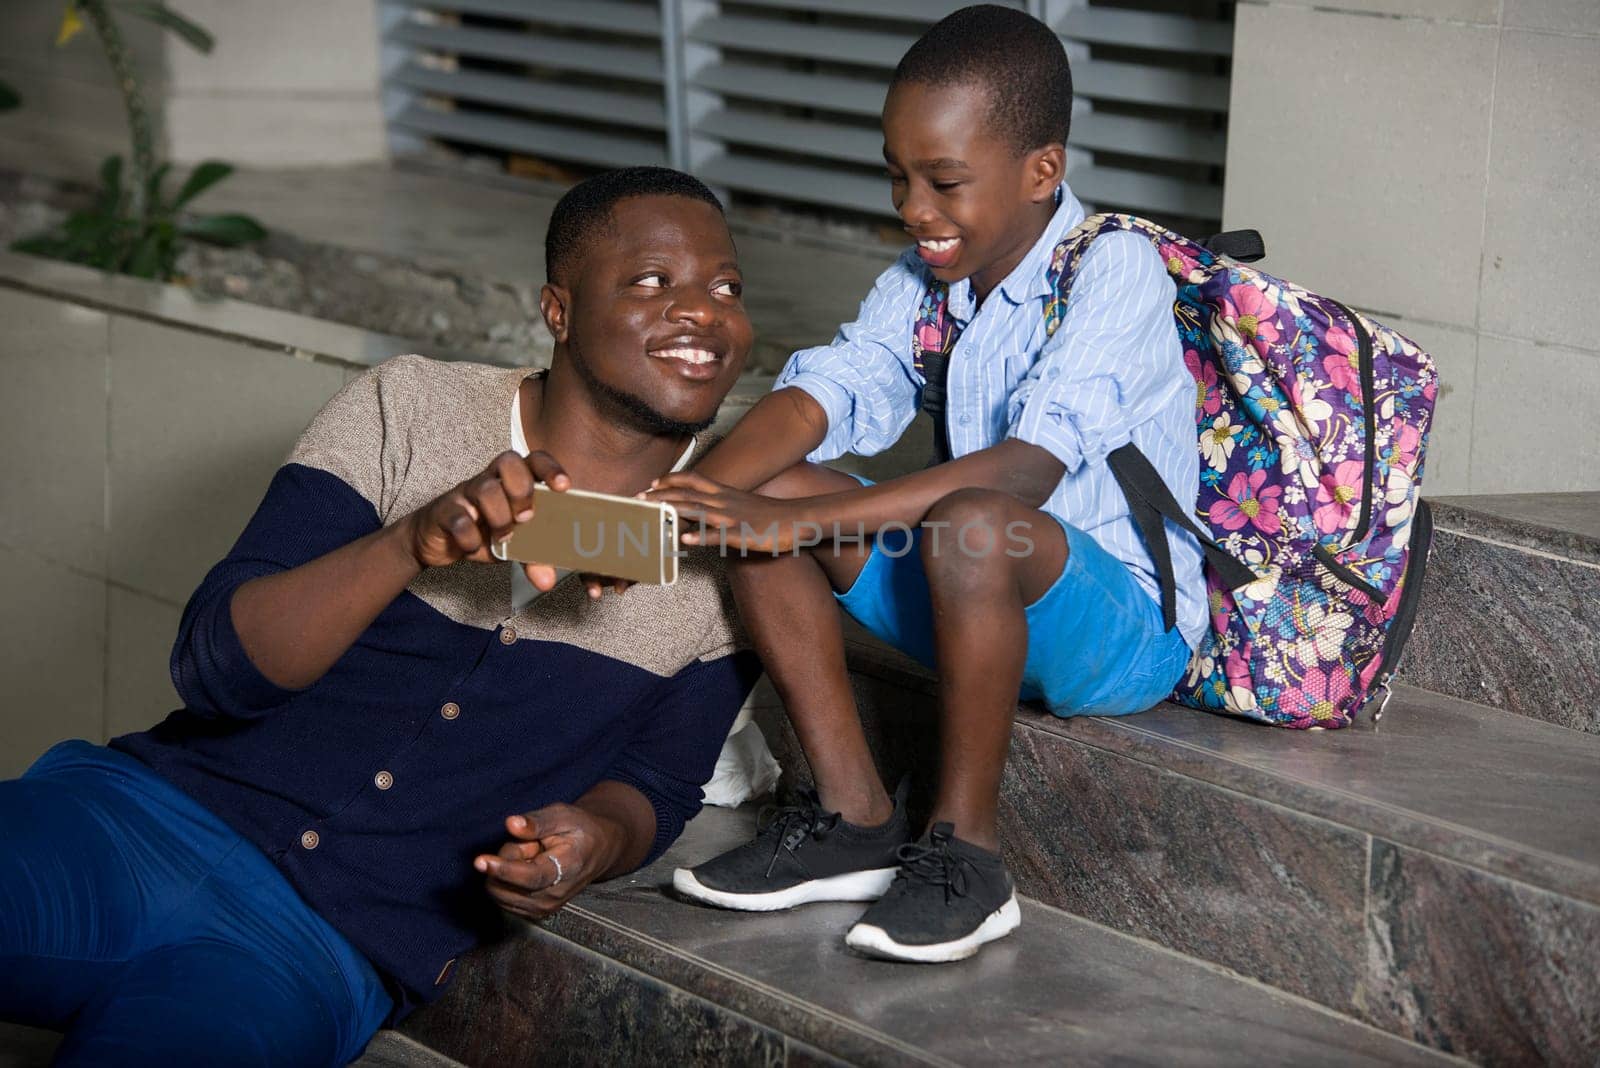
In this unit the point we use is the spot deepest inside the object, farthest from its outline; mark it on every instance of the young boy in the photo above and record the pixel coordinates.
(1028, 575)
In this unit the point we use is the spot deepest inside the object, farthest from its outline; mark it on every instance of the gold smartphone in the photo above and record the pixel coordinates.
(598, 533)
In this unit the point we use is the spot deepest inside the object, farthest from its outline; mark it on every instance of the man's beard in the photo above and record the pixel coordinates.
(632, 410)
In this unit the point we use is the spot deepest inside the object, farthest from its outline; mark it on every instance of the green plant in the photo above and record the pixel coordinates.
(107, 236)
(131, 227)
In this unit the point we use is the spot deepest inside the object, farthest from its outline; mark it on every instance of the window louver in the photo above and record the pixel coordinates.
(780, 98)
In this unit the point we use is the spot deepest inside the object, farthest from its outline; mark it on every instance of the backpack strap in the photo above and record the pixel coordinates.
(1245, 246)
(933, 338)
(1149, 502)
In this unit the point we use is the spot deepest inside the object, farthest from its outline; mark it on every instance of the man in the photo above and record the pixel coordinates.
(378, 744)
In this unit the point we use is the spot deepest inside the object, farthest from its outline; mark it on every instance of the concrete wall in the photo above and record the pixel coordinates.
(134, 454)
(1437, 162)
(290, 83)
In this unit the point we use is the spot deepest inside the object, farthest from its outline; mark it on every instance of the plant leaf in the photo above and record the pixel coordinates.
(110, 186)
(147, 257)
(224, 229)
(192, 33)
(71, 25)
(203, 177)
(152, 194)
(8, 97)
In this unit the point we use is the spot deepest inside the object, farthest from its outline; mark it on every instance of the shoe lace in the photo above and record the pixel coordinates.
(935, 862)
(790, 825)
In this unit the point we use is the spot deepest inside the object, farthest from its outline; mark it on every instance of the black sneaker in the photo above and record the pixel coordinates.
(801, 854)
(948, 898)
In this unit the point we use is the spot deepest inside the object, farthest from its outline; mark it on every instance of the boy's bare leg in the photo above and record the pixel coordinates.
(979, 592)
(787, 606)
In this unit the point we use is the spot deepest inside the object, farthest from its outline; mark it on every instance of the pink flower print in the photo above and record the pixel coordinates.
(1207, 399)
(1337, 494)
(1344, 366)
(1250, 500)
(1408, 442)
(1256, 315)
(1315, 697)
(1177, 261)
(930, 336)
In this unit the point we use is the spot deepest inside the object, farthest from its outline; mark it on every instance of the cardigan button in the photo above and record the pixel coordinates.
(383, 780)
(507, 635)
(310, 839)
(450, 710)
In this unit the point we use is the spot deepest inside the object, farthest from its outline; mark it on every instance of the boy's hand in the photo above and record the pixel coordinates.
(554, 852)
(733, 518)
(463, 523)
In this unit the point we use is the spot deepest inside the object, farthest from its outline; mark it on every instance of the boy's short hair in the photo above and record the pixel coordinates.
(585, 210)
(1017, 58)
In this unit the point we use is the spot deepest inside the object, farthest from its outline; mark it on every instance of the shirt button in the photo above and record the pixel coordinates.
(450, 710)
(383, 780)
(310, 839)
(507, 635)
(966, 420)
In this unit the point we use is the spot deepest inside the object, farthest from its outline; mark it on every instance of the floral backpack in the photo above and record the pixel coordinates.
(1311, 421)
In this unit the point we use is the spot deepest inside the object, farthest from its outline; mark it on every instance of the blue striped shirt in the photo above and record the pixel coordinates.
(1111, 374)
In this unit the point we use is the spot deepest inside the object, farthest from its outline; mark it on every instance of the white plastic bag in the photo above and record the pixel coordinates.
(745, 767)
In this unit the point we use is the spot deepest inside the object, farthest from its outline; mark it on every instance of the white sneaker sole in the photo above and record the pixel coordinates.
(875, 941)
(851, 886)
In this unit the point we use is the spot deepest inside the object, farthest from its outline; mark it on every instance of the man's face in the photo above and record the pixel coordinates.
(967, 198)
(653, 318)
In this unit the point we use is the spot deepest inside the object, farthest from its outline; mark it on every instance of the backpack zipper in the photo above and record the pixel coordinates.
(1369, 414)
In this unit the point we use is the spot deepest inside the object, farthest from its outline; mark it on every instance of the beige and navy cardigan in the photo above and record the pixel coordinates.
(453, 709)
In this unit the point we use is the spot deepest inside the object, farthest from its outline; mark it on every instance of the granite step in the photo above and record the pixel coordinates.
(31, 1047)
(628, 975)
(1437, 877)
(1510, 611)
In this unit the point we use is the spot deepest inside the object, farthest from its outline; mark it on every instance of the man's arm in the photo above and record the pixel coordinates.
(642, 804)
(295, 624)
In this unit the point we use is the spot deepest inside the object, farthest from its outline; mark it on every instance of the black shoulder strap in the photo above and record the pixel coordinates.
(1245, 246)
(1149, 502)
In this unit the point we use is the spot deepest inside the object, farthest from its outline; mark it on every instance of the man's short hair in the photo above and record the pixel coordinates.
(585, 211)
(1016, 58)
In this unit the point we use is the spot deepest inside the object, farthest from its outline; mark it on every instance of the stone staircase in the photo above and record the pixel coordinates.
(1200, 890)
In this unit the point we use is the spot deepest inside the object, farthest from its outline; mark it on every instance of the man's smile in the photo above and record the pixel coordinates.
(698, 358)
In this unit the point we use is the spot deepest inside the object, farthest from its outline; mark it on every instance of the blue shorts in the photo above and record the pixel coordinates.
(136, 921)
(1096, 645)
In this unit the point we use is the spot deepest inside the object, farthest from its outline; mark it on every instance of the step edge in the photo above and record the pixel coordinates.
(1497, 856)
(588, 921)
(578, 925)
(1456, 515)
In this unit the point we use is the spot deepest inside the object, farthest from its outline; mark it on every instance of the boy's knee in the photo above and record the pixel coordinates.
(966, 530)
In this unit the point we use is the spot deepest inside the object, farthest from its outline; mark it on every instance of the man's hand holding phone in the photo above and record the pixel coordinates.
(466, 522)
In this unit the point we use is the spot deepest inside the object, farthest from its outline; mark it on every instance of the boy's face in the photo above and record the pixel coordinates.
(653, 316)
(973, 205)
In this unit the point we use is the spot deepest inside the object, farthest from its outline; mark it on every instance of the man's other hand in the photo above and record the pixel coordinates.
(554, 852)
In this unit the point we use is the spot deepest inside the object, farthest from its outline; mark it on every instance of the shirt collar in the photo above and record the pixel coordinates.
(1027, 279)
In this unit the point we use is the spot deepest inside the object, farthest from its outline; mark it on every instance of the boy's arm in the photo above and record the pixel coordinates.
(750, 521)
(782, 429)
(855, 395)
(1113, 364)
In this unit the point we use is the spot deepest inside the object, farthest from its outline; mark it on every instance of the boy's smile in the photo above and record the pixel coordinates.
(972, 202)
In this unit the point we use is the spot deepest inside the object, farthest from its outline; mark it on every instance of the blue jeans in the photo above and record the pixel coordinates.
(137, 922)
(1096, 644)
